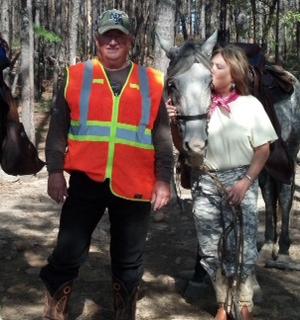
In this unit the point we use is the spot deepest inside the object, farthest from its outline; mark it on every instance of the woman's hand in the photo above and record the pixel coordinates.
(237, 192)
(171, 109)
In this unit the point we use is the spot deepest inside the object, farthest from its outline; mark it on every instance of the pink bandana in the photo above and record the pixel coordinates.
(223, 102)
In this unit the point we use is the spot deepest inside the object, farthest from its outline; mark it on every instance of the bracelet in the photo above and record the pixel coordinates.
(249, 178)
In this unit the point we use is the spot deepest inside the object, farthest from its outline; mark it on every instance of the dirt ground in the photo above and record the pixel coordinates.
(28, 228)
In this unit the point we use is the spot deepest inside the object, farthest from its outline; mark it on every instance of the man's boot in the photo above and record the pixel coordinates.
(56, 307)
(124, 304)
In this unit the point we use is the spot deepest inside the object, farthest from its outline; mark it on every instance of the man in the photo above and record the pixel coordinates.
(111, 119)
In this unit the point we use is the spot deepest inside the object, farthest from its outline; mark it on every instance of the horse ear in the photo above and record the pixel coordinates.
(209, 44)
(170, 51)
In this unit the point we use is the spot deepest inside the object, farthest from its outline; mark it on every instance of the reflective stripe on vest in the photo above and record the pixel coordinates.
(138, 136)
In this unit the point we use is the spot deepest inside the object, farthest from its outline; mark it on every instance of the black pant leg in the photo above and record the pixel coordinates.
(129, 227)
(81, 212)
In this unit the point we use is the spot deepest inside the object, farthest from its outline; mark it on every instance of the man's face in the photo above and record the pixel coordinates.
(113, 47)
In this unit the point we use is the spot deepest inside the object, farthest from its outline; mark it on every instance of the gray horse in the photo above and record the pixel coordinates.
(188, 84)
(277, 195)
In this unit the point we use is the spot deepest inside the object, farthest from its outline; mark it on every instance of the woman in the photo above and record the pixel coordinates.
(239, 134)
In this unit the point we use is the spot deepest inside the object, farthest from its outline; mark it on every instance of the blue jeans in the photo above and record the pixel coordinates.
(80, 214)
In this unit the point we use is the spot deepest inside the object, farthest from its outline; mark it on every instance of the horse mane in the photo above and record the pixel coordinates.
(188, 54)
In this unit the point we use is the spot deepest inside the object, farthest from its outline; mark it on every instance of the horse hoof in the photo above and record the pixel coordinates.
(284, 258)
(265, 254)
(195, 290)
(283, 261)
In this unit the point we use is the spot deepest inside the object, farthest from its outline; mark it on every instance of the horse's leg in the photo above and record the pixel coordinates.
(286, 194)
(196, 286)
(269, 194)
(200, 273)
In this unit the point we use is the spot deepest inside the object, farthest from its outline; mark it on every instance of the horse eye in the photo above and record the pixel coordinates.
(172, 89)
(171, 84)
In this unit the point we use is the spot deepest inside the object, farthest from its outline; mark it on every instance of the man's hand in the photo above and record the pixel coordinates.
(160, 195)
(57, 187)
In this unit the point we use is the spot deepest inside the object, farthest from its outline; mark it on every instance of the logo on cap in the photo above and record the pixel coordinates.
(113, 19)
(116, 17)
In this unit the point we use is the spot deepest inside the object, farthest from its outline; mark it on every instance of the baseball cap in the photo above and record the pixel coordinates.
(113, 20)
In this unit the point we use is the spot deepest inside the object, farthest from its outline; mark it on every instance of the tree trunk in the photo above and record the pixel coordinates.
(75, 4)
(89, 27)
(27, 82)
(197, 23)
(268, 25)
(5, 30)
(165, 17)
(182, 19)
(253, 8)
(208, 18)
(40, 53)
(5, 5)
(223, 16)
(57, 49)
(203, 20)
(280, 42)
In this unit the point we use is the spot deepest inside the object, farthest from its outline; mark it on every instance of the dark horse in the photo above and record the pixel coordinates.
(188, 85)
(4, 108)
(18, 156)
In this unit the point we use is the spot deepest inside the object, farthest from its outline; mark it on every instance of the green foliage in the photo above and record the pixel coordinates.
(16, 43)
(43, 106)
(288, 21)
(46, 35)
(292, 65)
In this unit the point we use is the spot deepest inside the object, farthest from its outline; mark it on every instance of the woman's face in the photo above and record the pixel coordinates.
(222, 79)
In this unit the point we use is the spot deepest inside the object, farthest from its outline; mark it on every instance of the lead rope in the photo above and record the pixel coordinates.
(239, 256)
(177, 188)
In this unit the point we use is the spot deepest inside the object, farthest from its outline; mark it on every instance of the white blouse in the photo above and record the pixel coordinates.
(232, 136)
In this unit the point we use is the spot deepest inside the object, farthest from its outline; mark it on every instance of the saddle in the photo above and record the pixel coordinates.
(271, 84)
(275, 81)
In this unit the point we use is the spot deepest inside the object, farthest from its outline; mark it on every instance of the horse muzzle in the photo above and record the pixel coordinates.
(195, 146)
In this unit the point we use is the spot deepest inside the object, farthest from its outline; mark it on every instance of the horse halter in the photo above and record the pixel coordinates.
(192, 117)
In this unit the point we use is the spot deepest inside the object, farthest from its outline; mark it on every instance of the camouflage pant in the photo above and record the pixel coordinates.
(213, 215)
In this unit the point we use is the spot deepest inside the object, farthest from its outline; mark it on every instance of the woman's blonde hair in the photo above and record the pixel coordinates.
(237, 61)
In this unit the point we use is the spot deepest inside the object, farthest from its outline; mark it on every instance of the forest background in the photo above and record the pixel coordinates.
(45, 36)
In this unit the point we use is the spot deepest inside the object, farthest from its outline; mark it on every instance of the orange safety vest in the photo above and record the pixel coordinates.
(111, 137)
